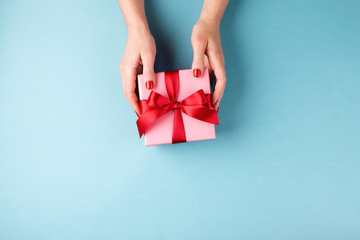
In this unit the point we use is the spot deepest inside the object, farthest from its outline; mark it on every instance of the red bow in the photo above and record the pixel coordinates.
(197, 105)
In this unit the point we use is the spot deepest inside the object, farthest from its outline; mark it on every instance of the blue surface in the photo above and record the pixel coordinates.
(285, 164)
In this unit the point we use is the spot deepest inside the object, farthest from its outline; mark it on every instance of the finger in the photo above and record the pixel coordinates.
(128, 76)
(199, 47)
(207, 64)
(217, 62)
(148, 59)
(217, 103)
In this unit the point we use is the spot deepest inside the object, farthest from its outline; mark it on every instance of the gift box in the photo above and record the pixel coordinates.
(178, 109)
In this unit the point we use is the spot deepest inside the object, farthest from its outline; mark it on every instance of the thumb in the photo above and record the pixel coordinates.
(198, 61)
(148, 70)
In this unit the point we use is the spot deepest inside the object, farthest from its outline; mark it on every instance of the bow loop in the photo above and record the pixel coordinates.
(197, 98)
(156, 100)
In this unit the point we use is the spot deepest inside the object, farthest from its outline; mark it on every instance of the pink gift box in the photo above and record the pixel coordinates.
(160, 132)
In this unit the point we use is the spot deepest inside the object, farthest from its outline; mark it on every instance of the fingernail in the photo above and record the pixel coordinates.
(218, 109)
(137, 114)
(149, 85)
(196, 72)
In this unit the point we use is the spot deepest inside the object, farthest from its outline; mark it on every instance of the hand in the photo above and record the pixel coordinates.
(139, 56)
(208, 52)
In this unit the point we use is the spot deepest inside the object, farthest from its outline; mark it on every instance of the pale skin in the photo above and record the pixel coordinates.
(140, 49)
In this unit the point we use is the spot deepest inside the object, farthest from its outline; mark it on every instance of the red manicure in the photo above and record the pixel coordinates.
(149, 85)
(197, 72)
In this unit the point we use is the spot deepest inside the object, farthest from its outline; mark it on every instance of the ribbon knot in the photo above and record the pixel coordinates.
(197, 105)
(176, 106)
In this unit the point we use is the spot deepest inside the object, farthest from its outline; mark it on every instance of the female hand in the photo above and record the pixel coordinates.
(140, 51)
(207, 46)
(139, 57)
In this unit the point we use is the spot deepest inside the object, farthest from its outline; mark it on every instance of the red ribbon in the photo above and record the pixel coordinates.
(197, 105)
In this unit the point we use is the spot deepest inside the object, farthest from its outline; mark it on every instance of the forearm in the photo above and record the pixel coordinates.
(213, 10)
(134, 14)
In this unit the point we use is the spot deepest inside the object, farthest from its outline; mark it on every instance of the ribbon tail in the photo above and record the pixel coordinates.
(179, 135)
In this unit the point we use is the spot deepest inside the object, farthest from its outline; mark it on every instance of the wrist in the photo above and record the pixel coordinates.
(210, 19)
(213, 11)
(139, 28)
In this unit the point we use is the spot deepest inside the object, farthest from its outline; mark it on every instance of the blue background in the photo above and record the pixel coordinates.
(285, 164)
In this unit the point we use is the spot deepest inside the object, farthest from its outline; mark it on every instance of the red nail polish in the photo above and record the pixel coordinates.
(197, 72)
(149, 85)
(137, 114)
